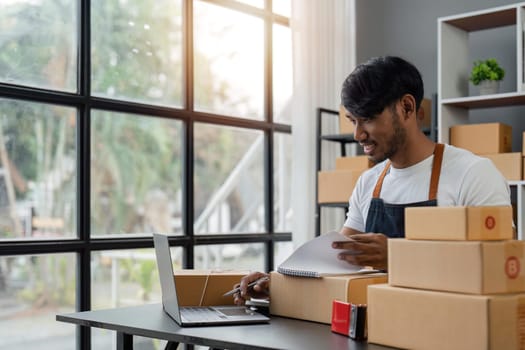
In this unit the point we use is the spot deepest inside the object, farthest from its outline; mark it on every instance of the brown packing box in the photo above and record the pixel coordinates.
(345, 126)
(509, 164)
(424, 113)
(202, 287)
(459, 223)
(311, 299)
(477, 267)
(487, 138)
(353, 163)
(336, 186)
(428, 320)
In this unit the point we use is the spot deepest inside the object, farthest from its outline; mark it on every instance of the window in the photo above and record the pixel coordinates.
(123, 118)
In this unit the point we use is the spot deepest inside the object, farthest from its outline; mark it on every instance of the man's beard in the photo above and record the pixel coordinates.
(397, 140)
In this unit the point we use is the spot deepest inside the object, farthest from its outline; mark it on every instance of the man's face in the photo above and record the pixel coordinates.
(382, 136)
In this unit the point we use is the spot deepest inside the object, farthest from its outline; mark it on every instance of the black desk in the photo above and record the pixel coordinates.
(151, 321)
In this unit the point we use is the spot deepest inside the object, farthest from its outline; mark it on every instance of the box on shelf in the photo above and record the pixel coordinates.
(459, 223)
(345, 126)
(205, 287)
(424, 113)
(486, 138)
(336, 186)
(476, 267)
(509, 164)
(353, 163)
(310, 299)
(419, 319)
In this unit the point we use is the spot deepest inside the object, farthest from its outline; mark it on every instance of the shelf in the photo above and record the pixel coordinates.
(487, 101)
(484, 19)
(334, 205)
(343, 138)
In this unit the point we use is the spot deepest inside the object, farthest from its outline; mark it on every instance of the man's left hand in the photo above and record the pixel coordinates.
(365, 249)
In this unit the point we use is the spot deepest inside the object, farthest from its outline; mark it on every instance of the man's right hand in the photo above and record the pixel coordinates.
(260, 291)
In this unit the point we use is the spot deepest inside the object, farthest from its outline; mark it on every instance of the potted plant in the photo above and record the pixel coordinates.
(487, 74)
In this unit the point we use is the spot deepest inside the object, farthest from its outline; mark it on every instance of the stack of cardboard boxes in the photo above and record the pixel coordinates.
(493, 141)
(456, 281)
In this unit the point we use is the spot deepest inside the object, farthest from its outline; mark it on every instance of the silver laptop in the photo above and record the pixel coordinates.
(195, 315)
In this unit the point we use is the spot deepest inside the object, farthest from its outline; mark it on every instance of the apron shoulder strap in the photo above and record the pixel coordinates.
(379, 183)
(436, 171)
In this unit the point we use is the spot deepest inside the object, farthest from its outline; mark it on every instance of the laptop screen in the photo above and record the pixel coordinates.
(170, 302)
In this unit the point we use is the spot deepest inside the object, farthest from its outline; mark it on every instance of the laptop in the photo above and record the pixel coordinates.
(195, 315)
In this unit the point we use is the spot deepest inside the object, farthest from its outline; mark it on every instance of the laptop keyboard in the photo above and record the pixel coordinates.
(201, 314)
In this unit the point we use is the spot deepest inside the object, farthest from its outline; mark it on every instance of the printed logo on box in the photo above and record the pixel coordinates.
(512, 267)
(490, 222)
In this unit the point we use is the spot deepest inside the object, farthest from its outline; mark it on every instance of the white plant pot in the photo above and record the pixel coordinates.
(488, 87)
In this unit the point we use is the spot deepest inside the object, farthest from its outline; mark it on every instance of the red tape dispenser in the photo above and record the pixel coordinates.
(349, 319)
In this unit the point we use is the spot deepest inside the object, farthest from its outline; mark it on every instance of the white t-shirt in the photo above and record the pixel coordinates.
(465, 180)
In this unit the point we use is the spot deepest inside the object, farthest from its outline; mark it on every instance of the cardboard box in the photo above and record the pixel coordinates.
(466, 267)
(353, 163)
(424, 113)
(427, 320)
(509, 164)
(336, 186)
(311, 299)
(345, 126)
(203, 287)
(487, 138)
(459, 223)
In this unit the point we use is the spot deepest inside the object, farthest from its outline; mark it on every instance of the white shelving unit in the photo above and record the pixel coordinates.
(454, 101)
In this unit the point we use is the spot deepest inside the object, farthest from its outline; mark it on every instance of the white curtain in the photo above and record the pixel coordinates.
(323, 35)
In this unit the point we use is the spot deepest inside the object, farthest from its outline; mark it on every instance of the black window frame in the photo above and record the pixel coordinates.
(83, 245)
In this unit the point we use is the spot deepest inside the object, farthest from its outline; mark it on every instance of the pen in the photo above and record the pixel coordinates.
(250, 285)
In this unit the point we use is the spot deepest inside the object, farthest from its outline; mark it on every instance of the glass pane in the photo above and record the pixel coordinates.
(39, 43)
(136, 179)
(282, 207)
(33, 289)
(282, 7)
(256, 3)
(38, 170)
(282, 250)
(229, 65)
(126, 278)
(228, 184)
(136, 50)
(249, 256)
(282, 74)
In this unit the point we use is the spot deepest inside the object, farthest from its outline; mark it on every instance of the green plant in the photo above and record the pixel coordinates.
(486, 70)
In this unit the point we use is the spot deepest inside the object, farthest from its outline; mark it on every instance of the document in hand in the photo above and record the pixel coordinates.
(317, 258)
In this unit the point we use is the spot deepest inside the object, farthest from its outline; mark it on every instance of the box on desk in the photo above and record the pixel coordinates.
(310, 299)
(486, 138)
(459, 223)
(336, 186)
(509, 164)
(419, 319)
(204, 287)
(477, 267)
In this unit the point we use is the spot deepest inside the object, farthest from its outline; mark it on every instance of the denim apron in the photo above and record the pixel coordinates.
(389, 219)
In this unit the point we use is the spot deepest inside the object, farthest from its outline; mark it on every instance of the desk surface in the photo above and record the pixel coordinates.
(281, 333)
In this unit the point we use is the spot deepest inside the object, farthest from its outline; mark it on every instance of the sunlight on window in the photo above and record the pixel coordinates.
(229, 62)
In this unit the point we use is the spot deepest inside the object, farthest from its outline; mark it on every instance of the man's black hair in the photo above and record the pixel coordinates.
(379, 82)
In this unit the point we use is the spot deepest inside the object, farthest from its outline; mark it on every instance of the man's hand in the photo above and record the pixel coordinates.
(259, 291)
(365, 249)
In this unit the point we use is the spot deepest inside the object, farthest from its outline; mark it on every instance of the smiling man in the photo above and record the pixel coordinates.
(381, 98)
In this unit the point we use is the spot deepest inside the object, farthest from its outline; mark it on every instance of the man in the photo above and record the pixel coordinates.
(381, 98)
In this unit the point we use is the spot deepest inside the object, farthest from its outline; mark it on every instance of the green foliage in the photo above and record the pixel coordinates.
(486, 70)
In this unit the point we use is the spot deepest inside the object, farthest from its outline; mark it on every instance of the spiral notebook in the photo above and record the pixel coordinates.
(317, 258)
